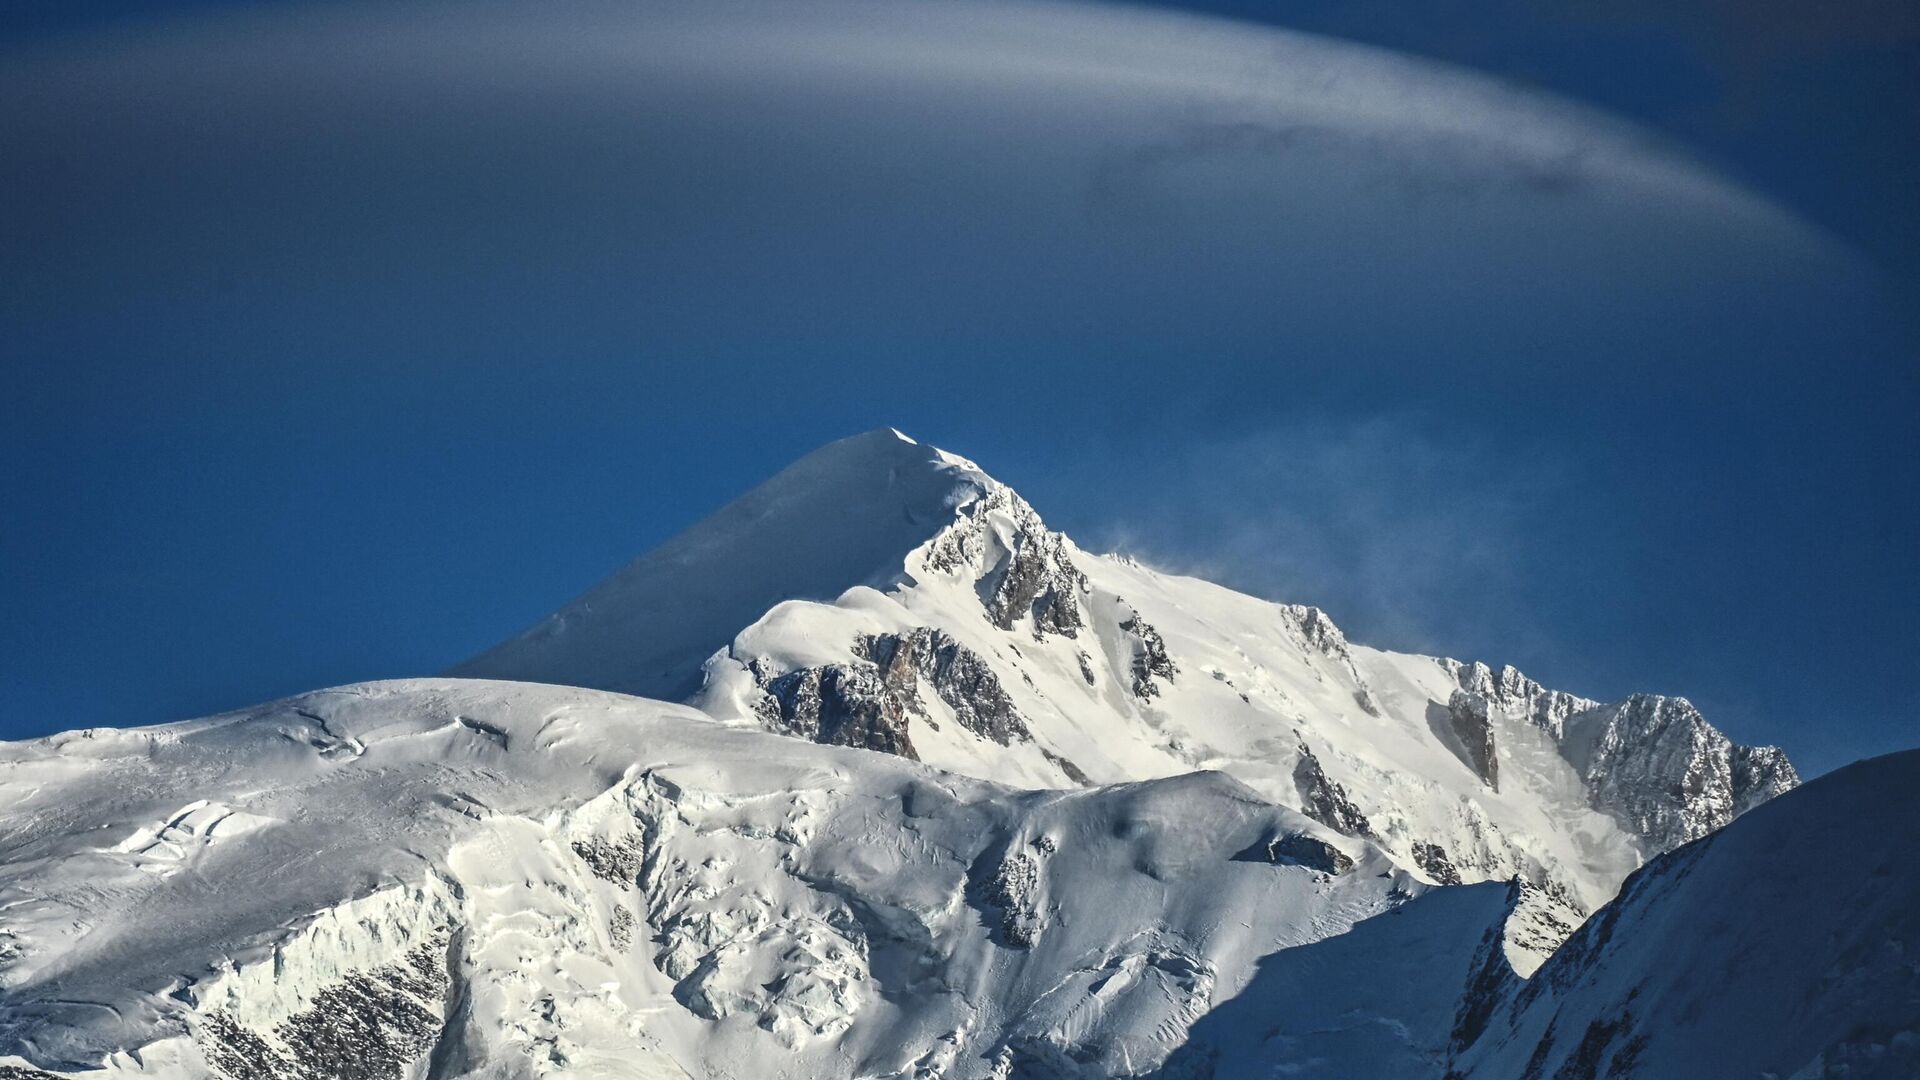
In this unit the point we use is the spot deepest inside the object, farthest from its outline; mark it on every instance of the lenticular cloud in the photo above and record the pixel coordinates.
(867, 169)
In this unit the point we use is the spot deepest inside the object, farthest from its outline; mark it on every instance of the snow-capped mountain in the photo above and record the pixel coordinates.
(941, 796)
(888, 595)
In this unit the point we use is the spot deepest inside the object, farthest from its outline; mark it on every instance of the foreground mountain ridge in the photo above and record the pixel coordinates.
(465, 878)
(453, 878)
(1120, 824)
(1787, 945)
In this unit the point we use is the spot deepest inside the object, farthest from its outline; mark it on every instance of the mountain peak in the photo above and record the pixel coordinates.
(845, 515)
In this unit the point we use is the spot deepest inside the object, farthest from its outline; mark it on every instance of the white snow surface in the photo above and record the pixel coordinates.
(624, 888)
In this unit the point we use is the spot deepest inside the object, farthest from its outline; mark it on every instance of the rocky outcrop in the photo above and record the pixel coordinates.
(620, 929)
(1325, 801)
(1015, 892)
(868, 703)
(840, 705)
(1433, 862)
(617, 861)
(1298, 849)
(1317, 634)
(1086, 668)
(1150, 660)
(1024, 568)
(1471, 725)
(1667, 775)
(1316, 630)
(372, 1025)
(1038, 580)
(1651, 762)
(1067, 768)
(1759, 774)
(1490, 982)
(961, 677)
(1539, 919)
(1519, 696)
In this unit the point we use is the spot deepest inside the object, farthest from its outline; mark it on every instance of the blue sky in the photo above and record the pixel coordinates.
(329, 360)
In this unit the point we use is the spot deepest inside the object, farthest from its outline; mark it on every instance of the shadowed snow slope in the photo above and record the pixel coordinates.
(887, 595)
(1786, 945)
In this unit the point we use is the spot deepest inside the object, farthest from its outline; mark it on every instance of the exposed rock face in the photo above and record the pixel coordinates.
(1065, 765)
(1025, 567)
(1539, 918)
(620, 929)
(372, 1025)
(1015, 890)
(1299, 849)
(1325, 801)
(1086, 668)
(1667, 775)
(1432, 859)
(1536, 924)
(1039, 580)
(1471, 724)
(958, 674)
(1317, 630)
(1518, 696)
(1489, 984)
(1150, 659)
(1653, 763)
(1760, 773)
(867, 703)
(617, 861)
(841, 705)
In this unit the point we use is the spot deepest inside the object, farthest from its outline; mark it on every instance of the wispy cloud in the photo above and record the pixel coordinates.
(1406, 527)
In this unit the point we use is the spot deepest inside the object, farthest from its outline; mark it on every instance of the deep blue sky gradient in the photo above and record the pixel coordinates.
(295, 419)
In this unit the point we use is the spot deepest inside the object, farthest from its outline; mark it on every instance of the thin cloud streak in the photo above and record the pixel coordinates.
(1400, 531)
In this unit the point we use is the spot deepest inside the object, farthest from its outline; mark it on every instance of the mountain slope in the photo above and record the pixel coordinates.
(1786, 945)
(963, 632)
(839, 517)
(444, 878)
